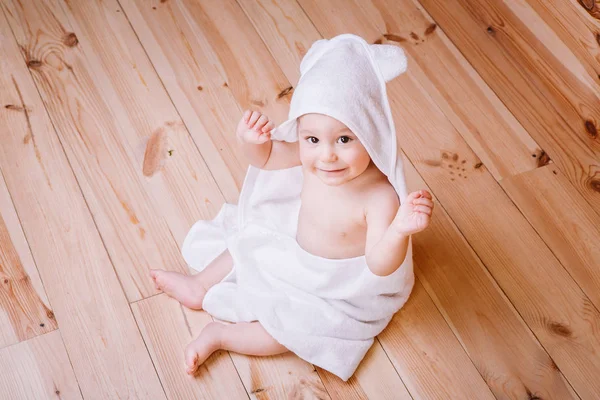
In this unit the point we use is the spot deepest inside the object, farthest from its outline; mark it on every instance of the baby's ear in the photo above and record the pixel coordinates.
(390, 59)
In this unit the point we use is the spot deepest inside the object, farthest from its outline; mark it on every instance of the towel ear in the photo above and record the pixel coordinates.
(390, 59)
(313, 54)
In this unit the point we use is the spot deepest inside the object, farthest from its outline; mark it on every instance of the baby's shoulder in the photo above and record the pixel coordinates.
(381, 196)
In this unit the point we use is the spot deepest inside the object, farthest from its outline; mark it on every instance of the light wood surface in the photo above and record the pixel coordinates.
(117, 122)
(24, 308)
(117, 125)
(542, 80)
(547, 199)
(38, 368)
(98, 329)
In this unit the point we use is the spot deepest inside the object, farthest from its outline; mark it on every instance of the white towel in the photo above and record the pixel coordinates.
(326, 311)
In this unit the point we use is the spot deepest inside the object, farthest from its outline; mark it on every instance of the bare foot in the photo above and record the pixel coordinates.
(198, 351)
(186, 289)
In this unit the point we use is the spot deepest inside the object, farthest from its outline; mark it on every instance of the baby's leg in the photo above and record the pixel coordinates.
(189, 290)
(248, 338)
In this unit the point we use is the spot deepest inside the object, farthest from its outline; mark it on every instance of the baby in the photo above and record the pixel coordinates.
(348, 209)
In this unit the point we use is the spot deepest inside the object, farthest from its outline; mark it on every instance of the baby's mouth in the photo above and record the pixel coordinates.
(332, 171)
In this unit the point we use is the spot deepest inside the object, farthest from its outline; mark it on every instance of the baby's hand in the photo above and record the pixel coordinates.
(254, 128)
(414, 214)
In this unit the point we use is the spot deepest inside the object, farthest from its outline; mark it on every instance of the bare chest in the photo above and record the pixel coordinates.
(332, 227)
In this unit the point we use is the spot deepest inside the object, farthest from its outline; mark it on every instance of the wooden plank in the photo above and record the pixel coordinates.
(564, 220)
(547, 298)
(201, 50)
(427, 354)
(375, 378)
(498, 341)
(537, 76)
(279, 377)
(575, 23)
(142, 176)
(38, 368)
(24, 308)
(167, 327)
(492, 225)
(473, 108)
(93, 314)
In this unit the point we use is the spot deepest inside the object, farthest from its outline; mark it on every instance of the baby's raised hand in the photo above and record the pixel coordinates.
(254, 128)
(414, 214)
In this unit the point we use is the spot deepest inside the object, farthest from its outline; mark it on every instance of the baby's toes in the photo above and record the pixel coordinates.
(154, 274)
(191, 358)
(159, 280)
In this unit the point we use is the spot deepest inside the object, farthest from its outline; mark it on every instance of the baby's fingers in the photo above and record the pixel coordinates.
(247, 115)
(261, 123)
(423, 209)
(255, 116)
(423, 201)
(268, 127)
(263, 137)
(423, 193)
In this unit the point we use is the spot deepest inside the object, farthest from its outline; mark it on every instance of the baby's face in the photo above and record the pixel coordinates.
(330, 150)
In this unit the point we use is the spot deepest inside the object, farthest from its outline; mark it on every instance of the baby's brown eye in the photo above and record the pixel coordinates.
(345, 139)
(312, 139)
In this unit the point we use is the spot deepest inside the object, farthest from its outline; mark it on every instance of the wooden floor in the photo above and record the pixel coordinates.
(117, 127)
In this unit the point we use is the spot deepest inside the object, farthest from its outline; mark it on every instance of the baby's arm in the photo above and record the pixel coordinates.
(386, 248)
(389, 227)
(254, 136)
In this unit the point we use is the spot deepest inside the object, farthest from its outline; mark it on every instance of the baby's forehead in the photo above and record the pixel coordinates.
(321, 123)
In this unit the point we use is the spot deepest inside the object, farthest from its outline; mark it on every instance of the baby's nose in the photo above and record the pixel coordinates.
(328, 154)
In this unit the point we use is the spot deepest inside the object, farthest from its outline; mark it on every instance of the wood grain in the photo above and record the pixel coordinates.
(539, 78)
(284, 376)
(98, 329)
(531, 277)
(476, 112)
(427, 354)
(214, 65)
(117, 125)
(38, 368)
(562, 217)
(375, 378)
(24, 308)
(496, 338)
(577, 24)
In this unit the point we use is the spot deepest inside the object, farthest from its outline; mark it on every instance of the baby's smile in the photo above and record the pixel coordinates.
(332, 171)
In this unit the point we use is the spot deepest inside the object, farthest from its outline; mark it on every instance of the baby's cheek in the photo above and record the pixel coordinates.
(360, 159)
(306, 156)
